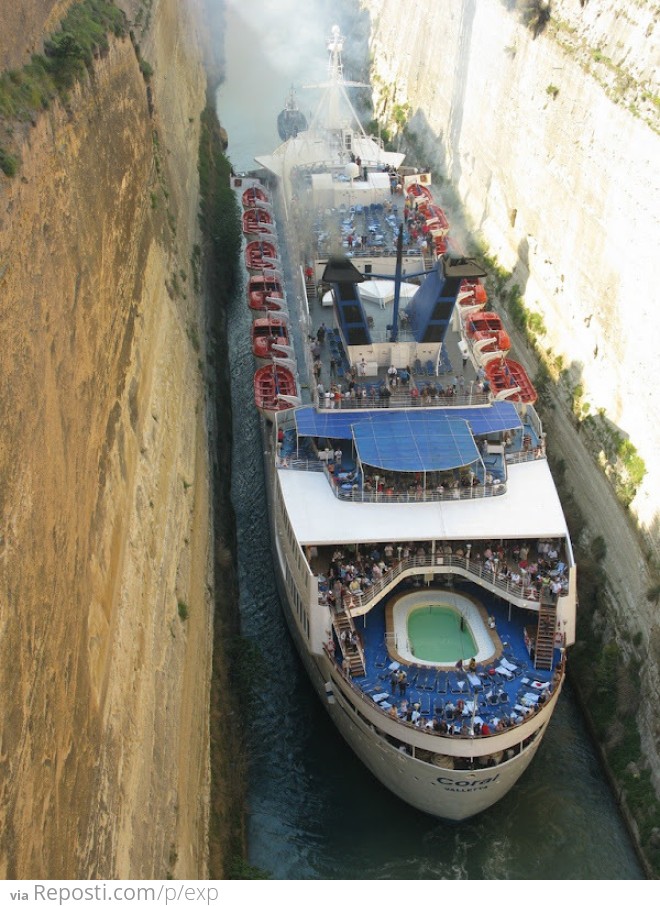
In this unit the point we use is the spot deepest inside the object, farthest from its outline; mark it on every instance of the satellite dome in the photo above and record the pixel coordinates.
(352, 170)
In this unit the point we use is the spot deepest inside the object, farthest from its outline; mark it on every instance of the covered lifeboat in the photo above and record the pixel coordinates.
(484, 330)
(418, 192)
(265, 293)
(472, 296)
(270, 339)
(508, 380)
(258, 222)
(260, 254)
(275, 389)
(254, 196)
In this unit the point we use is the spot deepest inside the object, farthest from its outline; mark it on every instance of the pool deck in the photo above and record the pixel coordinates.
(505, 687)
(399, 610)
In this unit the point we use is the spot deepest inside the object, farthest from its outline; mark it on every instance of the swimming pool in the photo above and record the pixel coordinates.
(439, 634)
(437, 627)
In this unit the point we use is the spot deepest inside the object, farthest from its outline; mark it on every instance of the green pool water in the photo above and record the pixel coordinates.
(434, 634)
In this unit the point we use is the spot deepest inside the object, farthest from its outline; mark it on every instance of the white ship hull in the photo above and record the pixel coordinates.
(452, 795)
(388, 486)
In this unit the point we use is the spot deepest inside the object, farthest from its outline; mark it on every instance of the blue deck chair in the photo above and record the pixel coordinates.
(446, 367)
(430, 370)
(441, 682)
(381, 658)
(486, 680)
(459, 683)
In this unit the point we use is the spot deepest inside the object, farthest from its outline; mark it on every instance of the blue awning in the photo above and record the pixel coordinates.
(408, 441)
(338, 424)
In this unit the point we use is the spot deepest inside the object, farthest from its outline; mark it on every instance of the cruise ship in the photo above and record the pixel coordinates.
(424, 561)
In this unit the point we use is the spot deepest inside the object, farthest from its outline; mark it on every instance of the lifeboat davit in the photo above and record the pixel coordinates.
(270, 338)
(274, 389)
(260, 254)
(265, 293)
(472, 296)
(484, 329)
(254, 195)
(257, 222)
(508, 380)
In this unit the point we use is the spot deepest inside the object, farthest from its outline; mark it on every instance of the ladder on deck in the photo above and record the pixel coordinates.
(343, 622)
(545, 633)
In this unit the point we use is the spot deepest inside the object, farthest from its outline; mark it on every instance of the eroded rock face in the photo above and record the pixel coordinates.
(104, 480)
(557, 175)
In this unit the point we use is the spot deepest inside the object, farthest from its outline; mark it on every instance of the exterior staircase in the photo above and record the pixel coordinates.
(545, 633)
(343, 622)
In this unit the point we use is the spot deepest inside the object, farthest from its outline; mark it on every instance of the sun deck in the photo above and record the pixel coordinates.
(502, 689)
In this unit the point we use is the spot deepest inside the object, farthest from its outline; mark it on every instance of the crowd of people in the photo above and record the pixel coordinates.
(529, 566)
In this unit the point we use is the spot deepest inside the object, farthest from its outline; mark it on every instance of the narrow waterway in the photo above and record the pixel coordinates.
(315, 811)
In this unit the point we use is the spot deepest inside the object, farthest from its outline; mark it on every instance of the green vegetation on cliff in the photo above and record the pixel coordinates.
(219, 215)
(218, 264)
(68, 54)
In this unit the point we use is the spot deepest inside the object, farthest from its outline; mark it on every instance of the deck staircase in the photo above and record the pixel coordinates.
(311, 291)
(343, 622)
(545, 633)
(400, 395)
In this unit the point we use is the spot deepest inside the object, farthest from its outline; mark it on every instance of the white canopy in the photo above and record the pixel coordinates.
(530, 508)
(382, 291)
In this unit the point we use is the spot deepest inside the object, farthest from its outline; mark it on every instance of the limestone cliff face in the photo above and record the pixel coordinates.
(552, 145)
(24, 25)
(105, 560)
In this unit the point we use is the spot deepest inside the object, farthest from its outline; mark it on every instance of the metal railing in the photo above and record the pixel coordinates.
(553, 691)
(401, 398)
(347, 491)
(503, 585)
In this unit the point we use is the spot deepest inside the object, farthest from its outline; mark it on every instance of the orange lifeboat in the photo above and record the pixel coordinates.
(258, 221)
(509, 380)
(260, 254)
(472, 296)
(417, 191)
(485, 328)
(268, 333)
(436, 219)
(254, 196)
(265, 293)
(271, 383)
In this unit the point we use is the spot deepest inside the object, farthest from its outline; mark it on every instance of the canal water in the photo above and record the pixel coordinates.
(315, 811)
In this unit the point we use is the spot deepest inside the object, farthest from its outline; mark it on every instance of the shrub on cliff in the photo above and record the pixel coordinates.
(83, 34)
(67, 54)
(8, 163)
